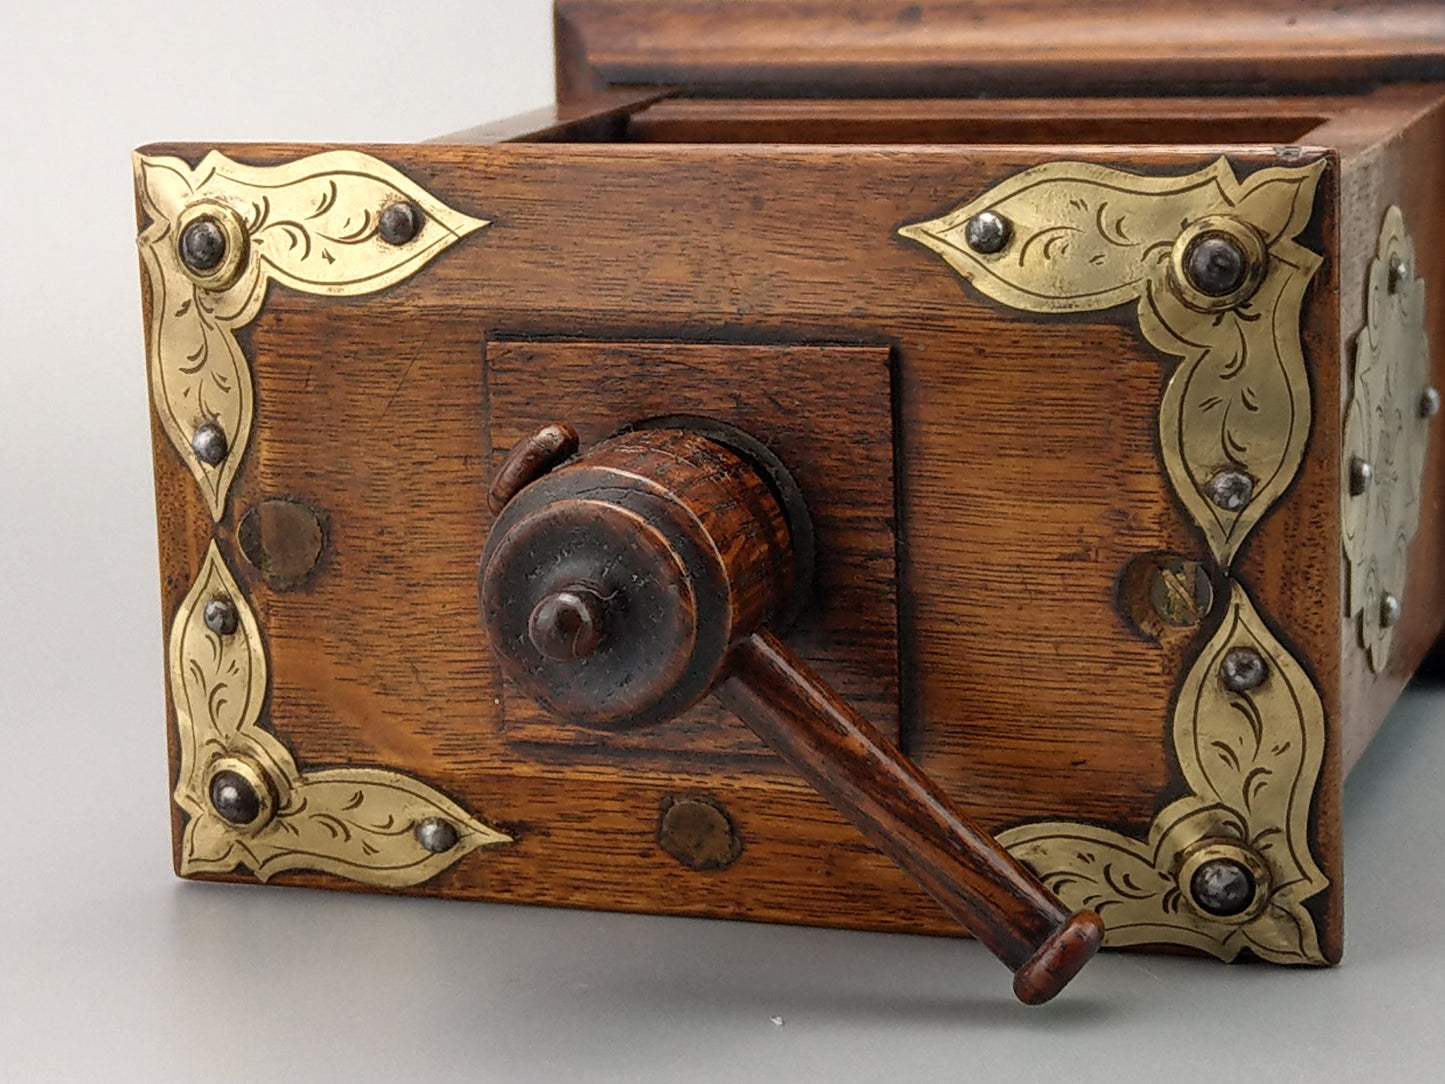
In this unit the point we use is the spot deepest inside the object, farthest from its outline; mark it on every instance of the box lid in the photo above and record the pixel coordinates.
(866, 48)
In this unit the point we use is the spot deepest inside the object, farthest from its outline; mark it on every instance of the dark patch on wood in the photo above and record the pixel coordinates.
(698, 832)
(283, 539)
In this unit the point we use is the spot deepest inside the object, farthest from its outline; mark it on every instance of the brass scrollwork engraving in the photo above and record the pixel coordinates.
(1387, 432)
(1250, 760)
(312, 225)
(1085, 237)
(218, 236)
(1233, 423)
(359, 823)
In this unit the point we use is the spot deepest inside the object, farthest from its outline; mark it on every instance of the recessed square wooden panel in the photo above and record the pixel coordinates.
(824, 410)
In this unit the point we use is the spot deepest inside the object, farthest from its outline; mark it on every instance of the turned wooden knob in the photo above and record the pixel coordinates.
(624, 586)
(613, 588)
(567, 624)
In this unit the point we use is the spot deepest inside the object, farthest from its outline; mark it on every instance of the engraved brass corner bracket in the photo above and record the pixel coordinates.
(1218, 277)
(340, 223)
(365, 824)
(315, 225)
(1387, 432)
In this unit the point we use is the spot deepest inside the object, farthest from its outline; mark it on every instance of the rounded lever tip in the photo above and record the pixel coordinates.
(530, 458)
(566, 625)
(1059, 958)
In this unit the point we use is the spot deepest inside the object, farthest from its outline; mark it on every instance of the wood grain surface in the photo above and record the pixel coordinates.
(889, 48)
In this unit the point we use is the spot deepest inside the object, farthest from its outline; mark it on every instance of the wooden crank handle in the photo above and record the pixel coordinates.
(619, 587)
(908, 817)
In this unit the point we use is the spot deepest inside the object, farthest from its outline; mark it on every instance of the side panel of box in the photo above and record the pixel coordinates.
(1404, 168)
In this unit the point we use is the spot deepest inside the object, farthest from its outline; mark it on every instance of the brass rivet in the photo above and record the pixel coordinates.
(1361, 474)
(436, 835)
(240, 793)
(1217, 262)
(203, 245)
(1215, 265)
(210, 444)
(234, 798)
(1230, 490)
(1243, 669)
(1398, 273)
(698, 832)
(987, 232)
(1222, 887)
(400, 222)
(211, 244)
(1223, 879)
(1390, 611)
(221, 616)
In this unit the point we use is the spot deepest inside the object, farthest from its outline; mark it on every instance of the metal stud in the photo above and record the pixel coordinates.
(1215, 265)
(1222, 887)
(987, 232)
(436, 834)
(1230, 489)
(1361, 474)
(1429, 402)
(1399, 272)
(1390, 611)
(234, 798)
(221, 616)
(1243, 669)
(399, 222)
(1179, 591)
(698, 832)
(209, 443)
(203, 245)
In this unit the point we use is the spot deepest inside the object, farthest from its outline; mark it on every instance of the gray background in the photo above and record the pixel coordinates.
(110, 969)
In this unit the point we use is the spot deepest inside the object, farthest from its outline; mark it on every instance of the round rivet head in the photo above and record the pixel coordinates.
(1243, 669)
(221, 616)
(1399, 272)
(987, 232)
(203, 245)
(1390, 611)
(437, 835)
(1222, 887)
(209, 443)
(1215, 265)
(698, 833)
(1361, 474)
(1429, 403)
(399, 223)
(234, 797)
(1230, 490)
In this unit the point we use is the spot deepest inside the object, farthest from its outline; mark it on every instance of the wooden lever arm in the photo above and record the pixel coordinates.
(908, 817)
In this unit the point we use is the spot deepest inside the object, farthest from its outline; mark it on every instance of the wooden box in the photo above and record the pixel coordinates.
(1127, 542)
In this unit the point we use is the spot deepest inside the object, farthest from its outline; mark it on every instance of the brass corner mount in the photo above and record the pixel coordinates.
(340, 223)
(1218, 276)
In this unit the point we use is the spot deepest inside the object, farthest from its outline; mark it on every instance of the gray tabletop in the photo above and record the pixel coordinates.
(111, 970)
